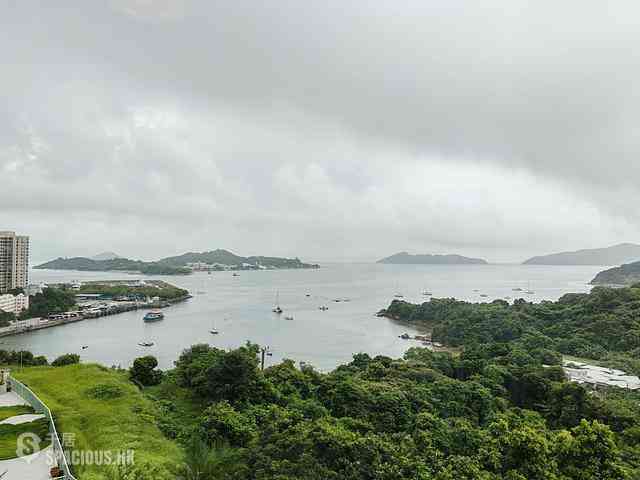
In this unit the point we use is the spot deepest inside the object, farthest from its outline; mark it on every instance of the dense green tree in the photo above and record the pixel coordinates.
(66, 359)
(143, 371)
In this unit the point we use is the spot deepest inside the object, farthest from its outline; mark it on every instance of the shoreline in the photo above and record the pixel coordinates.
(45, 323)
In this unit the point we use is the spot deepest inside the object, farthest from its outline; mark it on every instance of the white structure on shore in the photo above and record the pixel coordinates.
(14, 261)
(600, 376)
(14, 303)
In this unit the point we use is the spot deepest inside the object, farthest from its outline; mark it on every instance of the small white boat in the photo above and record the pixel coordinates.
(277, 308)
(214, 330)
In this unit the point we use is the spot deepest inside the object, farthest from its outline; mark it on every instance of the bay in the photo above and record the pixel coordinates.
(240, 308)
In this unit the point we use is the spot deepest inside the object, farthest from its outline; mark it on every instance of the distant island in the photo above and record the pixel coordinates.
(406, 258)
(178, 265)
(117, 264)
(225, 260)
(627, 274)
(615, 255)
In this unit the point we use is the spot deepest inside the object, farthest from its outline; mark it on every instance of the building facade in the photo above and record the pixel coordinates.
(14, 261)
(14, 303)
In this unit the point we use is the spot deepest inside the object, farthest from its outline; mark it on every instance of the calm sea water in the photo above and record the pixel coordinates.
(240, 308)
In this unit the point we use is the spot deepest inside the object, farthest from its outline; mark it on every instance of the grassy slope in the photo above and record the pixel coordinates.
(113, 424)
(8, 412)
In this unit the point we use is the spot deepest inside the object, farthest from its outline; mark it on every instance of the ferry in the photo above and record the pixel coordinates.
(154, 316)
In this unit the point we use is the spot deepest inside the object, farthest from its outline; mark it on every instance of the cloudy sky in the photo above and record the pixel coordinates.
(329, 130)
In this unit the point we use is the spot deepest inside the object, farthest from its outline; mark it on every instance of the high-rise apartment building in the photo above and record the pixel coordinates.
(14, 261)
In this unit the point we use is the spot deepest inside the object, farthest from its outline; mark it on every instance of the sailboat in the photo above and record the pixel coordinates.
(214, 330)
(277, 308)
(529, 291)
(426, 293)
(398, 294)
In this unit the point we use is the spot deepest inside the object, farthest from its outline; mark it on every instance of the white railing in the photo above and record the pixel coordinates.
(40, 407)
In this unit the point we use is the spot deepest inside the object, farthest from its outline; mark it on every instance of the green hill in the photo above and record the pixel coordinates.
(225, 257)
(104, 412)
(623, 275)
(114, 264)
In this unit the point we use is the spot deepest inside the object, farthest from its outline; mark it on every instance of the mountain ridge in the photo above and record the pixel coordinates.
(619, 254)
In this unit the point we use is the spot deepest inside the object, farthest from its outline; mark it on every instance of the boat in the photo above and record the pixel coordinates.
(518, 289)
(208, 272)
(236, 274)
(146, 344)
(398, 294)
(323, 308)
(84, 347)
(529, 291)
(288, 317)
(484, 295)
(153, 316)
(277, 308)
(214, 330)
(426, 293)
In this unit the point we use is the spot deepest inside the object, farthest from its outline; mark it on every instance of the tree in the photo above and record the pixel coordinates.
(589, 452)
(143, 371)
(66, 359)
(223, 423)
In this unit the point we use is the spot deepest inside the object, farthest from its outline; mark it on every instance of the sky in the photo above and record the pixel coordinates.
(336, 130)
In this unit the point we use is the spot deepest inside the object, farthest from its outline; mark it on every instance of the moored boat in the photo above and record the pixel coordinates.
(153, 316)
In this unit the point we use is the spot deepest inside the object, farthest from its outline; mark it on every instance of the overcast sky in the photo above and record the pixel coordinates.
(329, 130)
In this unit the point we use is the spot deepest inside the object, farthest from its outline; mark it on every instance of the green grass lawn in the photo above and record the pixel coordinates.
(8, 412)
(104, 411)
(9, 437)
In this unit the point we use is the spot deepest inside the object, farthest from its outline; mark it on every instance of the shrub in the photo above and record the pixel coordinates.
(66, 359)
(104, 391)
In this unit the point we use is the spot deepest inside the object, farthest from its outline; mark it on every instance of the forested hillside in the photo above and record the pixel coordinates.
(602, 325)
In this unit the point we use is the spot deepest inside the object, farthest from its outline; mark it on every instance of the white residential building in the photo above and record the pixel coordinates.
(14, 261)
(14, 303)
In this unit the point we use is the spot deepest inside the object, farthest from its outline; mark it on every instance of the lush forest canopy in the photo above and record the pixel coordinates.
(493, 412)
(603, 325)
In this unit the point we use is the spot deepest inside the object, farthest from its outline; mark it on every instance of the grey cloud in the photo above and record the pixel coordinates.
(426, 125)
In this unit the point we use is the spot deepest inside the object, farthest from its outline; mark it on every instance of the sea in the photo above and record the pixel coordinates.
(240, 308)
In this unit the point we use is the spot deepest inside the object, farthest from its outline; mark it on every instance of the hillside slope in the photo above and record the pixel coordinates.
(104, 412)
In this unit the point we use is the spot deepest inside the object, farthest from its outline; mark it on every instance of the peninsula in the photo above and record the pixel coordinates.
(614, 255)
(627, 274)
(406, 258)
